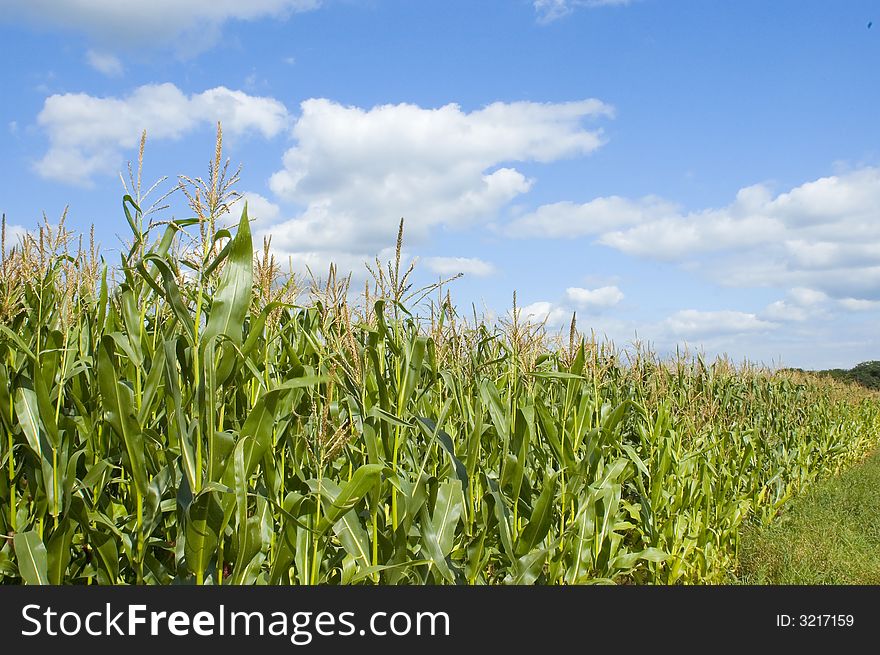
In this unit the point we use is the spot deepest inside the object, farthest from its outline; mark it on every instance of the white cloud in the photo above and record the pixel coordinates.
(319, 261)
(557, 314)
(651, 226)
(802, 304)
(191, 25)
(601, 297)
(859, 305)
(807, 297)
(87, 134)
(357, 171)
(455, 265)
(673, 238)
(14, 234)
(261, 211)
(551, 10)
(550, 314)
(782, 310)
(823, 235)
(569, 220)
(823, 254)
(692, 323)
(105, 63)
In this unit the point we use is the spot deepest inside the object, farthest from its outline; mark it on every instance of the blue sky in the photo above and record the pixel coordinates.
(677, 171)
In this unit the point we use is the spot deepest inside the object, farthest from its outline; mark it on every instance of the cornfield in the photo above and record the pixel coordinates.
(181, 417)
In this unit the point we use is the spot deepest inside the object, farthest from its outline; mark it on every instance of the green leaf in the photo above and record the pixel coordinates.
(502, 515)
(59, 551)
(30, 553)
(256, 326)
(135, 229)
(438, 531)
(46, 410)
(104, 546)
(412, 370)
(171, 294)
(233, 294)
(18, 341)
(541, 519)
(27, 409)
(224, 252)
(492, 402)
(353, 537)
(29, 419)
(527, 568)
(259, 425)
(153, 500)
(382, 415)
(581, 534)
(151, 386)
(362, 481)
(447, 512)
(430, 429)
(628, 560)
(118, 412)
(240, 489)
(367, 572)
(133, 325)
(202, 532)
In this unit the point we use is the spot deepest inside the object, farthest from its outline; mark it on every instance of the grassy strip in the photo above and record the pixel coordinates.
(830, 535)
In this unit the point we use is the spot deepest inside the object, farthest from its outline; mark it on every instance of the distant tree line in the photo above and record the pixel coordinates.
(866, 374)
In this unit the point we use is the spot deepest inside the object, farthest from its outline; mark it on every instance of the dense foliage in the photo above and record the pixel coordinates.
(866, 374)
(186, 423)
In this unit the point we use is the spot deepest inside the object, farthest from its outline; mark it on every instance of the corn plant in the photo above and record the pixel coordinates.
(177, 418)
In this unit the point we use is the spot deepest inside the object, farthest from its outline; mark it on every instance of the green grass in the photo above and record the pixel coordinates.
(829, 535)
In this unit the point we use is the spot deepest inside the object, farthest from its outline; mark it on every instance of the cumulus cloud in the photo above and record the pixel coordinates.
(105, 63)
(551, 10)
(261, 211)
(673, 238)
(859, 304)
(577, 300)
(570, 220)
(356, 172)
(823, 254)
(454, 265)
(601, 297)
(800, 305)
(695, 324)
(317, 262)
(782, 310)
(88, 134)
(137, 23)
(548, 313)
(823, 235)
(13, 236)
(652, 226)
(807, 297)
